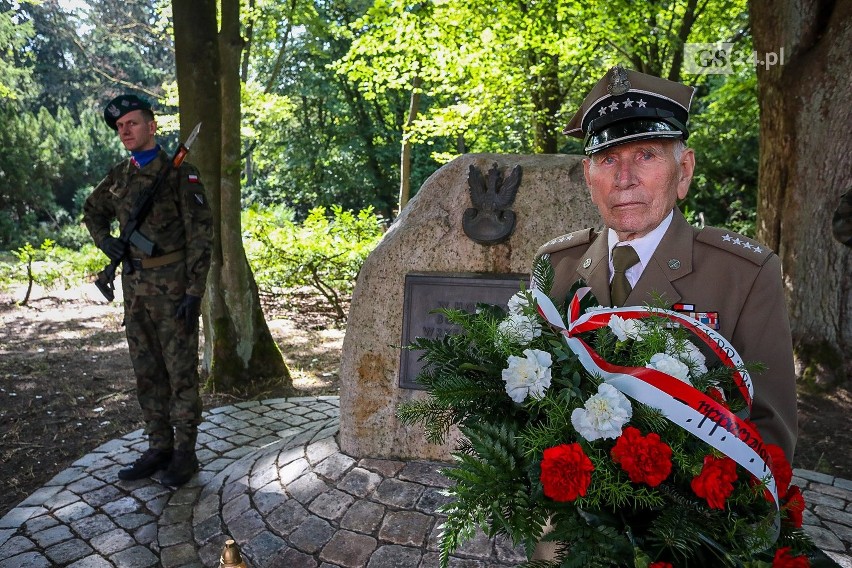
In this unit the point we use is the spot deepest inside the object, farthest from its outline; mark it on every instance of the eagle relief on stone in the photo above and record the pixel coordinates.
(491, 221)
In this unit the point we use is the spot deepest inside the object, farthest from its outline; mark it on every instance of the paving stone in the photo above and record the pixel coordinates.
(236, 507)
(845, 484)
(363, 516)
(210, 553)
(68, 551)
(20, 515)
(842, 560)
(425, 473)
(52, 536)
(16, 545)
(157, 505)
(331, 505)
(843, 532)
(174, 534)
(220, 446)
(306, 488)
(69, 475)
(263, 546)
(360, 482)
(349, 549)
(813, 476)
(292, 558)
(508, 553)
(290, 471)
(123, 506)
(247, 526)
(102, 496)
(813, 498)
(207, 529)
(269, 497)
(28, 559)
(388, 468)
(206, 506)
(311, 535)
(92, 526)
(831, 514)
(6, 534)
(402, 494)
(407, 528)
(61, 499)
(286, 518)
(146, 534)
(825, 539)
(93, 561)
(74, 511)
(394, 556)
(479, 546)
(39, 523)
(176, 514)
(334, 467)
(235, 488)
(178, 555)
(85, 485)
(133, 520)
(319, 451)
(431, 500)
(112, 542)
(40, 496)
(136, 557)
(263, 476)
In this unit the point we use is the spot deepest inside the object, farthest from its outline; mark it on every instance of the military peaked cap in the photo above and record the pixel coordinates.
(626, 105)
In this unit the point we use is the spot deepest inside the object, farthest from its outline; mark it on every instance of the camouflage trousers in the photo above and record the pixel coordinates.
(165, 361)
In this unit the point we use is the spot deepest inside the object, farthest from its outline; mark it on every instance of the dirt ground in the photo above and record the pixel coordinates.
(66, 384)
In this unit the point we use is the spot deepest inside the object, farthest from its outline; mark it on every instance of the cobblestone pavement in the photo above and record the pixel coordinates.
(274, 480)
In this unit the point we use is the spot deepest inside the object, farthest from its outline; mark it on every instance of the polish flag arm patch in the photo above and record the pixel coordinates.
(192, 178)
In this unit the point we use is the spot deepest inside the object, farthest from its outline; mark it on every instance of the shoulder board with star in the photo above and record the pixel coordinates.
(581, 237)
(735, 244)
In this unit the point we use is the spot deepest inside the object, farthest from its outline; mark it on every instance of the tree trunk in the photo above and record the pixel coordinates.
(805, 165)
(405, 155)
(238, 345)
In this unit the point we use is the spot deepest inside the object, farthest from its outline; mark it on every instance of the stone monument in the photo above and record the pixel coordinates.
(430, 237)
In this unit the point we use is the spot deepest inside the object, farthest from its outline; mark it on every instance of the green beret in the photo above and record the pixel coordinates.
(121, 105)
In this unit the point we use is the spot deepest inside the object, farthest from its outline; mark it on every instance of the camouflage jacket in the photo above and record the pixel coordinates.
(180, 219)
(841, 225)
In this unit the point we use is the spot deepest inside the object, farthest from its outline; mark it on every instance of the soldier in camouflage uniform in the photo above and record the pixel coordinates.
(162, 294)
(841, 224)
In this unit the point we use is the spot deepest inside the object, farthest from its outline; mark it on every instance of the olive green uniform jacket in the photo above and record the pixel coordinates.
(716, 271)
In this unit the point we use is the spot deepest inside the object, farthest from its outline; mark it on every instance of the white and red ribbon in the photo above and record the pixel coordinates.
(681, 403)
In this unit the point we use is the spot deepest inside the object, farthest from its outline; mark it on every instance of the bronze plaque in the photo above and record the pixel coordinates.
(425, 292)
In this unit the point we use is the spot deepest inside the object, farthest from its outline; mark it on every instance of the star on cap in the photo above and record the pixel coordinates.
(628, 102)
(613, 106)
(726, 237)
(602, 110)
(747, 245)
(641, 103)
(737, 241)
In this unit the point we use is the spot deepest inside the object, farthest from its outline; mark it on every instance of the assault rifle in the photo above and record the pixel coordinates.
(130, 233)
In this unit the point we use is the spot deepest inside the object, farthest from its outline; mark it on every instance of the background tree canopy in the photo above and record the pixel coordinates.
(333, 90)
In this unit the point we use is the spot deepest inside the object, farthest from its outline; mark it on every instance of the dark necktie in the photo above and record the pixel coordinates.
(622, 259)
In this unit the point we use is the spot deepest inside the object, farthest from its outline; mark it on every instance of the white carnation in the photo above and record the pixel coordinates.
(603, 415)
(625, 329)
(528, 375)
(669, 365)
(518, 303)
(690, 354)
(519, 329)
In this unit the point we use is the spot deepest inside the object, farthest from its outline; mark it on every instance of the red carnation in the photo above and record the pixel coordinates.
(716, 480)
(780, 468)
(660, 565)
(795, 506)
(646, 459)
(566, 472)
(783, 559)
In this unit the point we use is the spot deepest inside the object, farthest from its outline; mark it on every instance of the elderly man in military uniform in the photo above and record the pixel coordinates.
(633, 128)
(163, 291)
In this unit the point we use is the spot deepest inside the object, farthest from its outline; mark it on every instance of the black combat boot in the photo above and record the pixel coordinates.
(183, 466)
(151, 461)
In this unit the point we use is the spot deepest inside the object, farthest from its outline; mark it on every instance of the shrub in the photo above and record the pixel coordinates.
(325, 252)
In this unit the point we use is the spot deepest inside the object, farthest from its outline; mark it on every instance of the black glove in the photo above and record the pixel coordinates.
(113, 248)
(188, 310)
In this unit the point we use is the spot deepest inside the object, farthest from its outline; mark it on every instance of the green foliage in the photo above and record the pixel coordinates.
(50, 265)
(325, 252)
